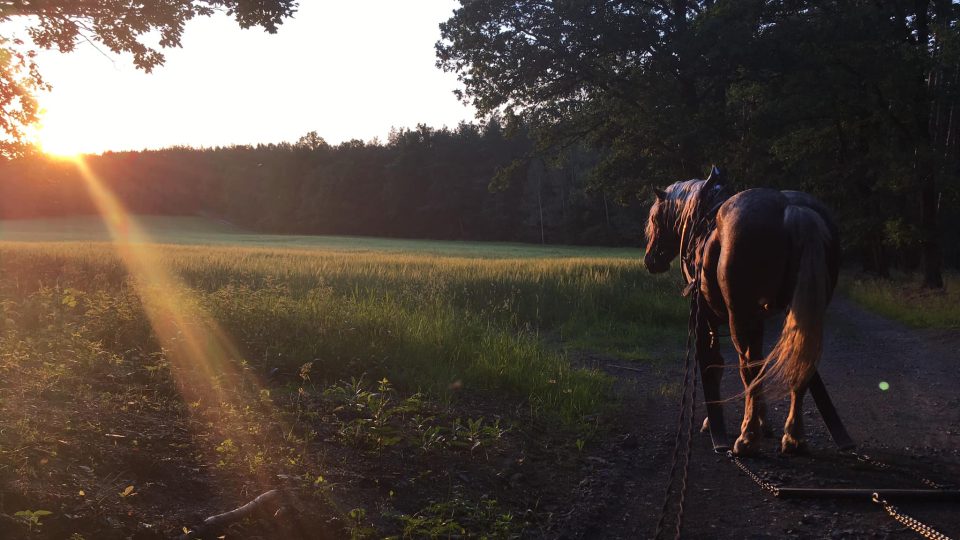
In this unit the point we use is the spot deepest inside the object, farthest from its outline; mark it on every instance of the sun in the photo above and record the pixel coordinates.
(62, 136)
(56, 143)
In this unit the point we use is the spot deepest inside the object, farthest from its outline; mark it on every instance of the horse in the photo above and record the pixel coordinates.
(748, 256)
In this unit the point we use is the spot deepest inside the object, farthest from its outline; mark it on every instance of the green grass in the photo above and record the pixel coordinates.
(904, 300)
(201, 230)
(383, 351)
(434, 320)
(427, 313)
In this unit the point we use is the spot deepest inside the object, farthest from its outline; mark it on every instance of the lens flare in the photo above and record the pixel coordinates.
(206, 363)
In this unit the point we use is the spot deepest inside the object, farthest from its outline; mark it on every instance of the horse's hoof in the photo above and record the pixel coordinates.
(791, 446)
(706, 426)
(744, 447)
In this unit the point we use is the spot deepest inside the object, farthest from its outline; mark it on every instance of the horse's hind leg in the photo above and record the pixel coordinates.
(793, 442)
(747, 335)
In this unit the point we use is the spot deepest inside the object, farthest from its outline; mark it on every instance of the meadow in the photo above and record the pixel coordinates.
(901, 298)
(146, 383)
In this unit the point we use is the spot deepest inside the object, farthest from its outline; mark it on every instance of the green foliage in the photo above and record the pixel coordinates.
(904, 300)
(357, 528)
(460, 518)
(849, 100)
(32, 517)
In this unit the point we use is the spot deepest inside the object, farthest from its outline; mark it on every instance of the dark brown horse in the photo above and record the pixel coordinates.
(765, 251)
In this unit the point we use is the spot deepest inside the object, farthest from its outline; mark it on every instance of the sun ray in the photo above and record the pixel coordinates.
(206, 362)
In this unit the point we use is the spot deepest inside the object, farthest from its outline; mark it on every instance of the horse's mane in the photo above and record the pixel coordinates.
(678, 206)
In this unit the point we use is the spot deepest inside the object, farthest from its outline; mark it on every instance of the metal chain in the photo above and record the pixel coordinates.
(689, 380)
(770, 487)
(915, 525)
(686, 463)
(681, 452)
(864, 458)
(911, 523)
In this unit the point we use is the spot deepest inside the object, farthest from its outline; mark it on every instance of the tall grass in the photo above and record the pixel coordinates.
(903, 299)
(427, 322)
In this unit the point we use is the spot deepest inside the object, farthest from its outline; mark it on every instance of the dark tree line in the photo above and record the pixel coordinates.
(853, 100)
(474, 182)
(421, 183)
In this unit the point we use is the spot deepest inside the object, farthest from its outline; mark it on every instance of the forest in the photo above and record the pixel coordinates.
(421, 183)
(585, 106)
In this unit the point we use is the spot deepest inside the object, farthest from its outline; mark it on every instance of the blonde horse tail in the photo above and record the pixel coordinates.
(793, 360)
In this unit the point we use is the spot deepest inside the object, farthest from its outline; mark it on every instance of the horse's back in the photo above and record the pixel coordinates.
(756, 260)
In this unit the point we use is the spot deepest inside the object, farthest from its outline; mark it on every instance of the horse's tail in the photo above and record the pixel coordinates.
(793, 360)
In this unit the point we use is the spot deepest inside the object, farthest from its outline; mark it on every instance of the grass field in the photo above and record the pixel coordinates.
(200, 230)
(903, 299)
(219, 362)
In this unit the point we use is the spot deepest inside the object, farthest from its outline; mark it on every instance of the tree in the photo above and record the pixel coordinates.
(613, 73)
(312, 141)
(120, 25)
(853, 100)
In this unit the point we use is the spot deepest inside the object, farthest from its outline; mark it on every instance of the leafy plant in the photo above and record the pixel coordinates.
(32, 517)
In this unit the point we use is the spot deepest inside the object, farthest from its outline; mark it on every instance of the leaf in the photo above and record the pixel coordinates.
(128, 492)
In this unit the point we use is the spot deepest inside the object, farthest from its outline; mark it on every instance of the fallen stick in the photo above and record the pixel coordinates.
(626, 368)
(221, 520)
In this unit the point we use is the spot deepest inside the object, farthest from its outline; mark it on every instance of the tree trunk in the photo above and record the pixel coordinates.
(931, 256)
(926, 168)
(543, 238)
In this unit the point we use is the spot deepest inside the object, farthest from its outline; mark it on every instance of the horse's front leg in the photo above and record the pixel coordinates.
(747, 336)
(711, 371)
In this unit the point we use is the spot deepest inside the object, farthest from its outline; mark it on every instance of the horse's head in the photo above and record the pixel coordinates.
(663, 240)
(681, 203)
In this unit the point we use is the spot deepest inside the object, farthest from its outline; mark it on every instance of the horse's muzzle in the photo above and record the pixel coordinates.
(655, 266)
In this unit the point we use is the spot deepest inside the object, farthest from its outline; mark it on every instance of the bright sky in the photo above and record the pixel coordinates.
(346, 69)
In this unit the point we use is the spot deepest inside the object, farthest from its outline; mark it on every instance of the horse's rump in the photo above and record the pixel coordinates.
(794, 357)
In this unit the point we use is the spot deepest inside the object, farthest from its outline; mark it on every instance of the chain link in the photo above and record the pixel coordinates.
(880, 465)
(770, 487)
(915, 525)
(911, 523)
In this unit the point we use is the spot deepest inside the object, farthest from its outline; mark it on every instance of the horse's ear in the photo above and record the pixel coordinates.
(716, 178)
(661, 194)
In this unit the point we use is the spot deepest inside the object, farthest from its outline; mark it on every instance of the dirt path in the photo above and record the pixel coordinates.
(915, 424)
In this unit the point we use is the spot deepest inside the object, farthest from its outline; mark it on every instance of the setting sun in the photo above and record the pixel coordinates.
(63, 138)
(57, 145)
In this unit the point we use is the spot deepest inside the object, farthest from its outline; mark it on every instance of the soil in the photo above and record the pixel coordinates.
(914, 425)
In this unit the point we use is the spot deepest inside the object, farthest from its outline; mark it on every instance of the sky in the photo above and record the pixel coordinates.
(345, 69)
